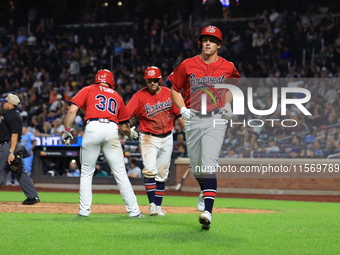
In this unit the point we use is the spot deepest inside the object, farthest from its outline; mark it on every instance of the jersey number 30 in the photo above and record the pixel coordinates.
(106, 104)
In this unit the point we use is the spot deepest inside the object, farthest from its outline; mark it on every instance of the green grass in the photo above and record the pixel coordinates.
(297, 228)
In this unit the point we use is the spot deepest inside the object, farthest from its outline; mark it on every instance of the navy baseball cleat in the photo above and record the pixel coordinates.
(31, 201)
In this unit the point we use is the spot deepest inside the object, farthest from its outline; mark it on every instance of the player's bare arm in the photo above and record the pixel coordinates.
(179, 102)
(125, 129)
(70, 116)
(14, 141)
(181, 122)
(177, 98)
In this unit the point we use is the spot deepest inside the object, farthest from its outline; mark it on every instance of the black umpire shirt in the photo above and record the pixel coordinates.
(11, 124)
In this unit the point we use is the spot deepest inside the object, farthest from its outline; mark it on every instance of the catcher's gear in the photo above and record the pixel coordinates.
(212, 31)
(153, 72)
(133, 134)
(17, 164)
(67, 137)
(105, 76)
(227, 113)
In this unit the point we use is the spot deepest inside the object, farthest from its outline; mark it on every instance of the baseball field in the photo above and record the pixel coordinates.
(239, 226)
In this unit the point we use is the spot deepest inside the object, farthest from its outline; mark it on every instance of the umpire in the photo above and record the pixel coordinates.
(12, 151)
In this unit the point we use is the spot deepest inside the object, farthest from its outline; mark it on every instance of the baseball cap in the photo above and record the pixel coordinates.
(294, 149)
(11, 98)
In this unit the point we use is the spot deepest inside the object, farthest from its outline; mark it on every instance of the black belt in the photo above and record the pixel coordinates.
(5, 142)
(101, 120)
(209, 114)
(160, 136)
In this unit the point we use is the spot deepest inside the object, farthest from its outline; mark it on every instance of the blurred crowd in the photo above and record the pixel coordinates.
(49, 64)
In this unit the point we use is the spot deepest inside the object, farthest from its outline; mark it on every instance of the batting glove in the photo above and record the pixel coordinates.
(187, 114)
(133, 134)
(227, 113)
(67, 136)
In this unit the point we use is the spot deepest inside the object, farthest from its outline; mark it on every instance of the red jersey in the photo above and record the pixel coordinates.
(156, 113)
(197, 78)
(101, 102)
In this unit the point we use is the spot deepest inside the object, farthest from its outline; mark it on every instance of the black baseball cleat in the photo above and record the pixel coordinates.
(31, 201)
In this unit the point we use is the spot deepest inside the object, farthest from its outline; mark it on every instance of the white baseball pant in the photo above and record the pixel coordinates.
(204, 142)
(104, 136)
(156, 154)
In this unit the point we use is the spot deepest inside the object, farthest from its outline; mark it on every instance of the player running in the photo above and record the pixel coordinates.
(197, 76)
(105, 111)
(156, 113)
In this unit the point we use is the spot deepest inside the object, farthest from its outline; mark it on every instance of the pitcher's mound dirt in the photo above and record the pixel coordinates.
(106, 209)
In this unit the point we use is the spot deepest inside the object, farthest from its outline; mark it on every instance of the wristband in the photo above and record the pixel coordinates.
(11, 152)
(67, 129)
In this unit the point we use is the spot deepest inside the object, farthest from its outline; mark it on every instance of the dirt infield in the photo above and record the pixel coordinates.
(106, 209)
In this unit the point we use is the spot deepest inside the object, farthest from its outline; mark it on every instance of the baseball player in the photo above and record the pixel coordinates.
(156, 113)
(105, 112)
(197, 76)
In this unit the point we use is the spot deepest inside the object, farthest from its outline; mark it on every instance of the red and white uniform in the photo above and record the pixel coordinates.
(156, 114)
(196, 78)
(104, 109)
(101, 102)
(204, 140)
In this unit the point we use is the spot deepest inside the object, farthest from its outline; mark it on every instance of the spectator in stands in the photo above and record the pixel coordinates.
(247, 138)
(317, 146)
(57, 127)
(256, 146)
(21, 37)
(294, 153)
(46, 130)
(310, 138)
(272, 145)
(230, 140)
(99, 171)
(332, 143)
(182, 151)
(180, 141)
(73, 170)
(296, 141)
(231, 153)
(310, 152)
(74, 69)
(58, 105)
(133, 170)
(323, 133)
(177, 130)
(246, 153)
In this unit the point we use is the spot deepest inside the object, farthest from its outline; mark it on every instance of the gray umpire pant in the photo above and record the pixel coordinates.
(22, 176)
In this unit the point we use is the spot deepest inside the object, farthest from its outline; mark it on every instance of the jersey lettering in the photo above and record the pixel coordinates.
(105, 104)
(152, 110)
(198, 83)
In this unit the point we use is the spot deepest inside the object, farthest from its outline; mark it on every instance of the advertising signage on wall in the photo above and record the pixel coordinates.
(57, 141)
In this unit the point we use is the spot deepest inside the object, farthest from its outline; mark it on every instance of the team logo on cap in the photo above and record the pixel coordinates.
(210, 29)
(151, 73)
